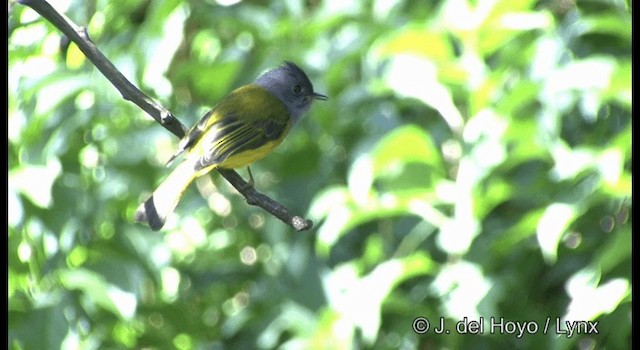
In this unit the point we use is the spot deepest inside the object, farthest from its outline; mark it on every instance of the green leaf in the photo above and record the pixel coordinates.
(417, 41)
(36, 181)
(553, 224)
(590, 299)
(407, 144)
(359, 300)
(99, 292)
(345, 216)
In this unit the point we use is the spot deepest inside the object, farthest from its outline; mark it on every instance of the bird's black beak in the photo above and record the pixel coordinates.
(318, 96)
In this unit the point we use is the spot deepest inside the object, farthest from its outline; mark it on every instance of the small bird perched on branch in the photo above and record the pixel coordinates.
(244, 127)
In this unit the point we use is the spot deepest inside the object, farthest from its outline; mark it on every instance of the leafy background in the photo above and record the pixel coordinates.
(474, 160)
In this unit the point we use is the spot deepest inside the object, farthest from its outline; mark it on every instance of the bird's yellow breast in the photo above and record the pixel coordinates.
(247, 157)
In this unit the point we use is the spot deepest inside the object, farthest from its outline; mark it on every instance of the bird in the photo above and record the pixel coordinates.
(245, 126)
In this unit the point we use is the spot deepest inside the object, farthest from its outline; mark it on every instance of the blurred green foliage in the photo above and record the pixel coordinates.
(474, 160)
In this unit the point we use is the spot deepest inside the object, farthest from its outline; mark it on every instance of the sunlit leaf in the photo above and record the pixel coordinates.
(552, 225)
(35, 181)
(416, 41)
(590, 299)
(359, 299)
(100, 292)
(404, 70)
(462, 285)
(343, 218)
(403, 146)
(608, 23)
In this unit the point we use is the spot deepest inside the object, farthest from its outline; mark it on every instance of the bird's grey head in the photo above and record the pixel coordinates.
(292, 86)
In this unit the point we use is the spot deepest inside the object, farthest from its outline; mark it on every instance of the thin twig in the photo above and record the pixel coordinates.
(256, 198)
(130, 92)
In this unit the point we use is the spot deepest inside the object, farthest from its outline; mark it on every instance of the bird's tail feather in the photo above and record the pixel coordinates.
(155, 210)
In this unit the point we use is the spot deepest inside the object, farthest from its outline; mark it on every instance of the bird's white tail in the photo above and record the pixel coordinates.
(155, 210)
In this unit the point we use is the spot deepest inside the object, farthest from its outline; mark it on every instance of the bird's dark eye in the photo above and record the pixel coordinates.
(297, 89)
